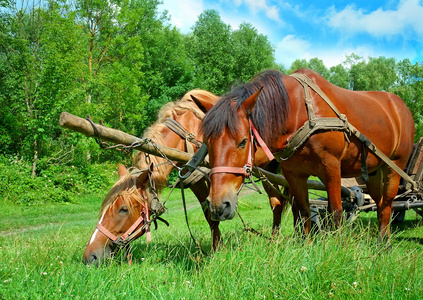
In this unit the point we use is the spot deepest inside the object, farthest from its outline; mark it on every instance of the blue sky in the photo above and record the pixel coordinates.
(329, 30)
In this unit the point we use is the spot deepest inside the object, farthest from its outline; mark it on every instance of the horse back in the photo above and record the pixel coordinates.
(381, 116)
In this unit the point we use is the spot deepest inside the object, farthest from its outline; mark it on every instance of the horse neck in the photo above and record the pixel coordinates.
(298, 112)
(164, 136)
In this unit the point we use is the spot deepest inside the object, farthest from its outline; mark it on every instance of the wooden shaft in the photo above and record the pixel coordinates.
(311, 184)
(115, 136)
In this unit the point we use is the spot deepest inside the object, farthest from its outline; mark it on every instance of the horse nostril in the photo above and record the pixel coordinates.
(93, 258)
(226, 204)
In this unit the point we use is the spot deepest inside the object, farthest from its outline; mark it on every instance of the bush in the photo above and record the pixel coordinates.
(55, 183)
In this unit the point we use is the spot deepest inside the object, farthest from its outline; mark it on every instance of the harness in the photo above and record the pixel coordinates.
(196, 173)
(311, 126)
(333, 124)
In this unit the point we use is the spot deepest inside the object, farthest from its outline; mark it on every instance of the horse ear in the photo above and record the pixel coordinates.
(143, 177)
(122, 171)
(250, 102)
(204, 103)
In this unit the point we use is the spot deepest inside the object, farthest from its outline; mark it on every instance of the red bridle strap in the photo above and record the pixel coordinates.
(129, 234)
(247, 169)
(261, 142)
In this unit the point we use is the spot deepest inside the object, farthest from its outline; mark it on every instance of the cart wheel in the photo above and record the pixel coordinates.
(316, 225)
(398, 216)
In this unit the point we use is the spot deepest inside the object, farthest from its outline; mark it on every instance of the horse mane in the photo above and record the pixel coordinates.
(126, 188)
(169, 110)
(269, 115)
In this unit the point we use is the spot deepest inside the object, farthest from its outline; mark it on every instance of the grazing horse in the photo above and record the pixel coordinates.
(276, 106)
(188, 112)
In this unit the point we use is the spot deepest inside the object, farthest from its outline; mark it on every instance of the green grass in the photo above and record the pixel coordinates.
(41, 249)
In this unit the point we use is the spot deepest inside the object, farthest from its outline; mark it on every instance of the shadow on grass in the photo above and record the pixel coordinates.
(415, 240)
(183, 254)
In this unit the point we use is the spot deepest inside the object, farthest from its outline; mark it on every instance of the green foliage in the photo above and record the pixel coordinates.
(314, 64)
(222, 55)
(210, 45)
(55, 183)
(252, 52)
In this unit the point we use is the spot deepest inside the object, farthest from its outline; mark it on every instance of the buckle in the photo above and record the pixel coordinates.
(248, 170)
(156, 206)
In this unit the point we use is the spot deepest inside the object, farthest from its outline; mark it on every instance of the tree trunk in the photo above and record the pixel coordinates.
(34, 162)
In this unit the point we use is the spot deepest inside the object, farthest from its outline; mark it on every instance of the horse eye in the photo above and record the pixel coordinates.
(243, 143)
(123, 210)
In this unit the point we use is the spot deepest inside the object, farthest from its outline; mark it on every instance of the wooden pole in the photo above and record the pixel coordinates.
(311, 184)
(115, 136)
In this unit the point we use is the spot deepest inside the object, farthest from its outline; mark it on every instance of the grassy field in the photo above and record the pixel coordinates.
(41, 249)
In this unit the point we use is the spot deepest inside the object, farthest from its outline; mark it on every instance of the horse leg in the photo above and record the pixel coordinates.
(383, 187)
(201, 191)
(300, 204)
(277, 204)
(332, 182)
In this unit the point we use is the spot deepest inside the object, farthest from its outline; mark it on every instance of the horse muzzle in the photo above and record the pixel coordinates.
(224, 211)
(96, 257)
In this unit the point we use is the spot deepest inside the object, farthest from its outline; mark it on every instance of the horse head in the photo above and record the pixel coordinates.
(124, 210)
(231, 154)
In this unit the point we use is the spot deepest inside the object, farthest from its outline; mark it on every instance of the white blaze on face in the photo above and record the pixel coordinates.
(96, 230)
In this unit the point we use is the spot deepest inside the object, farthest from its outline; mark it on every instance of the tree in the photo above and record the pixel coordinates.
(376, 74)
(252, 52)
(210, 48)
(29, 78)
(409, 86)
(339, 76)
(221, 56)
(314, 64)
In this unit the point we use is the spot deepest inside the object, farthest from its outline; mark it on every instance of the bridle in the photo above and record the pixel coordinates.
(247, 169)
(133, 232)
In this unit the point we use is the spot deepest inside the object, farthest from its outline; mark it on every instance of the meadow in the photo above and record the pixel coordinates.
(41, 248)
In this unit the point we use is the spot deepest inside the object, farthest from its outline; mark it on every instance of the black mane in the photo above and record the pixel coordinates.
(269, 115)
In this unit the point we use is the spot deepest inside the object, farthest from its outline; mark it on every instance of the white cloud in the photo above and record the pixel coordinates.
(292, 48)
(256, 6)
(405, 20)
(183, 14)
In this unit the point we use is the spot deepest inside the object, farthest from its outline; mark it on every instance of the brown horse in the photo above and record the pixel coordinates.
(275, 104)
(188, 112)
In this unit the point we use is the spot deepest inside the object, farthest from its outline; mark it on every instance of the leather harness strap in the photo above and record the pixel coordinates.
(333, 124)
(182, 132)
(197, 174)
